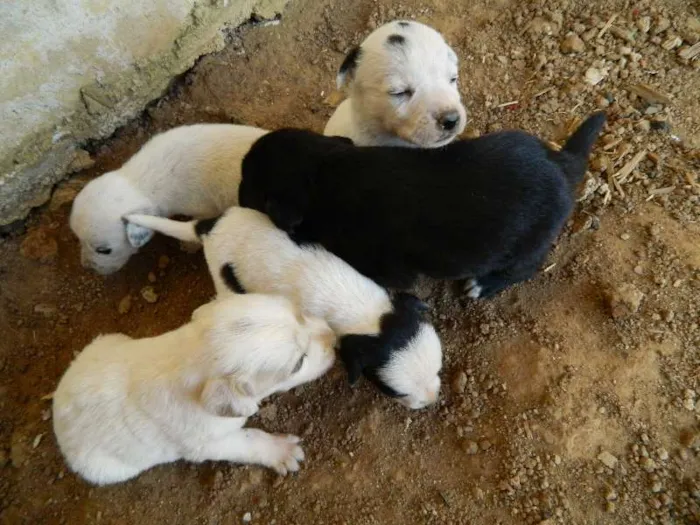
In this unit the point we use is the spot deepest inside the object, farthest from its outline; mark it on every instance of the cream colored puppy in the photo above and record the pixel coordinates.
(401, 84)
(125, 405)
(189, 170)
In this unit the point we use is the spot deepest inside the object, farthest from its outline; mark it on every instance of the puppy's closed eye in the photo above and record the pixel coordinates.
(102, 250)
(401, 93)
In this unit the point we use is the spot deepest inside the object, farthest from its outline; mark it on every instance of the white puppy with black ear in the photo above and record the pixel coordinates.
(385, 339)
(125, 405)
(401, 84)
(189, 170)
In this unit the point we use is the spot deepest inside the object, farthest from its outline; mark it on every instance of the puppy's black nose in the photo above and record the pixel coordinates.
(448, 121)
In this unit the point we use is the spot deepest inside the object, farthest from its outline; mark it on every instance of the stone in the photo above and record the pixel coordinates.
(459, 383)
(149, 294)
(625, 300)
(593, 75)
(124, 305)
(607, 459)
(39, 246)
(572, 43)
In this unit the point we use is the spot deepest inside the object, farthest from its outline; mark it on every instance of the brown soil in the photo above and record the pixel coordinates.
(574, 398)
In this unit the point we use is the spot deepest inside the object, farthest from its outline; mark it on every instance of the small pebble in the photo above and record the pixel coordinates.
(149, 294)
(625, 236)
(607, 459)
(124, 305)
(247, 517)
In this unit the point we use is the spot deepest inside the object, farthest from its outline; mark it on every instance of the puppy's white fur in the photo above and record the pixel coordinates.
(266, 260)
(125, 405)
(189, 170)
(375, 113)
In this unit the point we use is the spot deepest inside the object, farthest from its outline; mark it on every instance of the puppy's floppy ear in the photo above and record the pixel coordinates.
(342, 140)
(285, 213)
(411, 302)
(354, 351)
(346, 73)
(226, 398)
(137, 235)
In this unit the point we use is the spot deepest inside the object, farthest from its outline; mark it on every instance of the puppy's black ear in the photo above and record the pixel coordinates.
(354, 350)
(409, 301)
(342, 140)
(286, 213)
(346, 73)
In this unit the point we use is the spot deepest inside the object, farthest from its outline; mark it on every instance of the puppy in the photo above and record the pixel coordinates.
(125, 405)
(486, 209)
(401, 84)
(190, 170)
(388, 340)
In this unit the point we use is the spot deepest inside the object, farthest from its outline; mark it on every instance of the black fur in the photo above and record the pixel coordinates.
(487, 208)
(349, 64)
(204, 226)
(367, 354)
(396, 40)
(228, 274)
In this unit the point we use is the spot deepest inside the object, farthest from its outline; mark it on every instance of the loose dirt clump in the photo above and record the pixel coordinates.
(569, 399)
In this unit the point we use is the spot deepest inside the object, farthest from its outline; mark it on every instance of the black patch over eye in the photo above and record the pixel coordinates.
(103, 251)
(396, 40)
(299, 364)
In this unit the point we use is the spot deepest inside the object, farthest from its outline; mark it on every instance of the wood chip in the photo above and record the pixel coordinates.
(662, 191)
(506, 104)
(649, 94)
(688, 53)
(623, 34)
(549, 268)
(607, 25)
(544, 91)
(624, 172)
(554, 145)
(612, 145)
(47, 397)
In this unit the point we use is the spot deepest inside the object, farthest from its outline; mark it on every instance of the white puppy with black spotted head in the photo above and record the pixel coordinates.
(401, 84)
(190, 170)
(125, 405)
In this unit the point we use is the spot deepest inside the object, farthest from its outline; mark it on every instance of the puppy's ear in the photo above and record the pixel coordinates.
(409, 301)
(354, 351)
(346, 73)
(342, 140)
(227, 398)
(137, 235)
(284, 213)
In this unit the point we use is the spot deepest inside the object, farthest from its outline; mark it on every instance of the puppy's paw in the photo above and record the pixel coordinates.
(244, 406)
(285, 454)
(473, 289)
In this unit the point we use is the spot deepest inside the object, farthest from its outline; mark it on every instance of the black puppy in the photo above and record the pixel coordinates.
(486, 209)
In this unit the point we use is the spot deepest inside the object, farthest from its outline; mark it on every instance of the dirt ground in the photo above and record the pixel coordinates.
(571, 399)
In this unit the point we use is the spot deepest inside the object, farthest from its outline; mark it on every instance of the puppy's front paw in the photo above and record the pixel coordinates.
(473, 289)
(285, 454)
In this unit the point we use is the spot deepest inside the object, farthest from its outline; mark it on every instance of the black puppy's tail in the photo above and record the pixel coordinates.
(573, 157)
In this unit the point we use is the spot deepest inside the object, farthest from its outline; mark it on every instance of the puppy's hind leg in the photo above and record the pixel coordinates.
(281, 453)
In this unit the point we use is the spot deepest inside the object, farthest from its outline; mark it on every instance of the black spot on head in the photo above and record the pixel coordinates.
(396, 40)
(404, 23)
(350, 62)
(228, 274)
(367, 354)
(204, 226)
